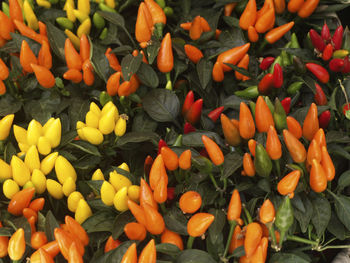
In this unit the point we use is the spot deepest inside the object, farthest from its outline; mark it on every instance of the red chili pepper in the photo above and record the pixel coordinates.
(171, 193)
(189, 100)
(336, 64)
(346, 68)
(316, 40)
(286, 104)
(188, 128)
(266, 63)
(320, 72)
(161, 144)
(337, 38)
(324, 119)
(215, 114)
(265, 84)
(327, 52)
(320, 97)
(325, 34)
(277, 76)
(194, 113)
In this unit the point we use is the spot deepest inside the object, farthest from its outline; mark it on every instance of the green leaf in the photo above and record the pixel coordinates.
(142, 122)
(56, 39)
(321, 213)
(18, 38)
(287, 258)
(344, 180)
(100, 221)
(334, 136)
(240, 70)
(304, 217)
(148, 76)
(9, 151)
(194, 256)
(168, 249)
(231, 21)
(338, 150)
(233, 161)
(100, 62)
(162, 105)
(217, 226)
(337, 228)
(22, 222)
(342, 208)
(176, 221)
(86, 147)
(233, 102)
(204, 69)
(299, 52)
(9, 105)
(137, 137)
(114, 255)
(50, 225)
(130, 65)
(119, 222)
(77, 110)
(152, 50)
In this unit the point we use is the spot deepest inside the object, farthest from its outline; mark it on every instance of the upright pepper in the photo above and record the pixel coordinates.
(295, 147)
(248, 165)
(234, 207)
(327, 52)
(266, 21)
(337, 38)
(284, 218)
(294, 127)
(325, 33)
(266, 83)
(193, 53)
(142, 30)
(27, 57)
(273, 144)
(148, 254)
(277, 76)
(130, 255)
(248, 16)
(311, 125)
(231, 132)
(214, 151)
(196, 28)
(266, 63)
(246, 122)
(324, 119)
(263, 116)
(253, 36)
(17, 245)
(262, 161)
(158, 16)
(279, 116)
(194, 113)
(165, 59)
(318, 178)
(189, 100)
(286, 102)
(73, 58)
(244, 63)
(267, 212)
(252, 238)
(280, 6)
(154, 220)
(15, 10)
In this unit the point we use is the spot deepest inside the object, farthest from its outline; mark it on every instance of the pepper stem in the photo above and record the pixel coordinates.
(302, 240)
(168, 85)
(163, 208)
(233, 224)
(214, 182)
(247, 214)
(278, 167)
(273, 237)
(190, 242)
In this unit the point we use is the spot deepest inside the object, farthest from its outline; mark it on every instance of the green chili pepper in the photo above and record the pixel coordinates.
(341, 53)
(294, 87)
(279, 116)
(104, 33)
(104, 98)
(249, 93)
(106, 8)
(65, 23)
(98, 21)
(168, 11)
(262, 161)
(284, 218)
(6, 9)
(277, 60)
(241, 6)
(269, 104)
(178, 141)
(252, 107)
(286, 58)
(161, 3)
(294, 43)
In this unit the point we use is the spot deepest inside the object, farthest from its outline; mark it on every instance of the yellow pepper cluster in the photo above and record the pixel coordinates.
(118, 189)
(101, 122)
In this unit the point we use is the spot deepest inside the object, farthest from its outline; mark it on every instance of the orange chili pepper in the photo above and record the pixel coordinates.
(243, 63)
(263, 116)
(318, 178)
(311, 125)
(205, 25)
(148, 254)
(17, 245)
(157, 13)
(261, 251)
(172, 238)
(294, 127)
(65, 240)
(157, 169)
(248, 165)
(32, 223)
(199, 223)
(235, 123)
(113, 83)
(273, 144)
(20, 200)
(44, 56)
(142, 29)
(252, 238)
(228, 9)
(287, 184)
(234, 207)
(154, 220)
(38, 239)
(194, 54)
(2, 87)
(88, 73)
(295, 147)
(217, 33)
(320, 137)
(160, 193)
(135, 231)
(190, 202)
(308, 8)
(76, 229)
(267, 212)
(15, 10)
(253, 36)
(113, 60)
(237, 239)
(280, 6)
(185, 160)
(111, 244)
(27, 57)
(6, 26)
(4, 241)
(232, 56)
(218, 72)
(266, 21)
(52, 248)
(231, 132)
(214, 151)
(44, 76)
(146, 196)
(314, 152)
(42, 29)
(28, 32)
(196, 28)
(137, 212)
(44, 256)
(246, 122)
(277, 33)
(171, 160)
(84, 48)
(327, 164)
(248, 16)
(268, 4)
(186, 26)
(28, 213)
(74, 75)
(73, 58)
(295, 5)
(4, 70)
(251, 146)
(130, 255)
(73, 255)
(165, 59)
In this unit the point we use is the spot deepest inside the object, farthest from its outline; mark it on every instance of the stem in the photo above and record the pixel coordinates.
(232, 228)
(177, 177)
(247, 214)
(214, 182)
(262, 46)
(302, 240)
(163, 208)
(334, 247)
(169, 84)
(273, 236)
(190, 242)
(278, 167)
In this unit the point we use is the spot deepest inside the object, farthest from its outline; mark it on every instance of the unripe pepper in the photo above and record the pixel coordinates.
(287, 184)
(262, 161)
(279, 115)
(311, 125)
(284, 218)
(17, 245)
(199, 223)
(250, 93)
(214, 151)
(295, 147)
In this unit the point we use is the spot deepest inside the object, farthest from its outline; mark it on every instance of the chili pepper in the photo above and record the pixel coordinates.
(44, 56)
(248, 165)
(214, 151)
(170, 158)
(325, 33)
(253, 36)
(311, 125)
(5, 126)
(295, 147)
(5, 8)
(113, 60)
(279, 116)
(82, 212)
(244, 63)
(284, 218)
(267, 212)
(286, 104)
(194, 113)
(320, 137)
(73, 38)
(188, 102)
(27, 57)
(218, 72)
(327, 52)
(17, 245)
(137, 212)
(15, 10)
(44, 76)
(237, 239)
(130, 255)
(232, 56)
(113, 83)
(230, 131)
(277, 33)
(37, 204)
(28, 32)
(273, 144)
(320, 98)
(193, 53)
(249, 93)
(266, 63)
(294, 87)
(246, 122)
(172, 238)
(280, 6)
(205, 25)
(266, 21)
(146, 196)
(161, 144)
(196, 28)
(135, 231)
(215, 114)
(30, 16)
(190, 202)
(64, 169)
(74, 255)
(319, 72)
(74, 75)
(185, 160)
(148, 254)
(346, 68)
(262, 161)
(161, 188)
(77, 230)
(340, 53)
(318, 178)
(154, 220)
(88, 75)
(327, 164)
(142, 30)
(111, 244)
(263, 116)
(266, 83)
(277, 76)
(228, 9)
(252, 238)
(20, 200)
(120, 200)
(251, 146)
(337, 38)
(324, 119)
(268, 4)
(234, 207)
(199, 223)
(287, 185)
(38, 239)
(7, 26)
(73, 58)
(248, 17)
(4, 241)
(158, 16)
(313, 152)
(65, 23)
(84, 48)
(107, 193)
(299, 65)
(336, 64)
(165, 60)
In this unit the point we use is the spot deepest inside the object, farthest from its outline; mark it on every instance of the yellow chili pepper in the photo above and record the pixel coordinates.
(97, 175)
(107, 193)
(39, 181)
(34, 131)
(95, 109)
(80, 15)
(44, 146)
(92, 135)
(69, 186)
(48, 163)
(17, 245)
(92, 119)
(119, 181)
(70, 11)
(53, 132)
(110, 3)
(43, 3)
(75, 40)
(121, 200)
(84, 28)
(106, 123)
(20, 134)
(83, 211)
(68, 2)
(30, 16)
(64, 169)
(54, 188)
(73, 200)
(32, 160)
(5, 126)
(84, 6)
(9, 188)
(120, 127)
(5, 171)
(20, 172)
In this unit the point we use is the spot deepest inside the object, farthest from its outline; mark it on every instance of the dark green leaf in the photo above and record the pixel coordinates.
(217, 226)
(338, 150)
(287, 258)
(122, 50)
(302, 53)
(231, 21)
(342, 208)
(204, 68)
(162, 105)
(168, 249)
(9, 105)
(337, 228)
(336, 136)
(152, 51)
(179, 68)
(17, 38)
(137, 137)
(50, 225)
(100, 62)
(77, 110)
(119, 222)
(86, 147)
(114, 18)
(100, 221)
(194, 256)
(130, 65)
(233, 102)
(194, 139)
(114, 255)
(240, 70)
(321, 213)
(22, 222)
(142, 122)
(9, 151)
(176, 221)
(57, 39)
(304, 217)
(344, 180)
(148, 76)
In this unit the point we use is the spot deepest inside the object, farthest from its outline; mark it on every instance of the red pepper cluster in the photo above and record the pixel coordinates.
(270, 80)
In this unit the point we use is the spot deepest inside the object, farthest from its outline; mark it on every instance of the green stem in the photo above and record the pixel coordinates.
(230, 234)
(334, 247)
(247, 214)
(169, 84)
(302, 240)
(278, 167)
(214, 182)
(262, 46)
(190, 242)
(163, 208)
(273, 236)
